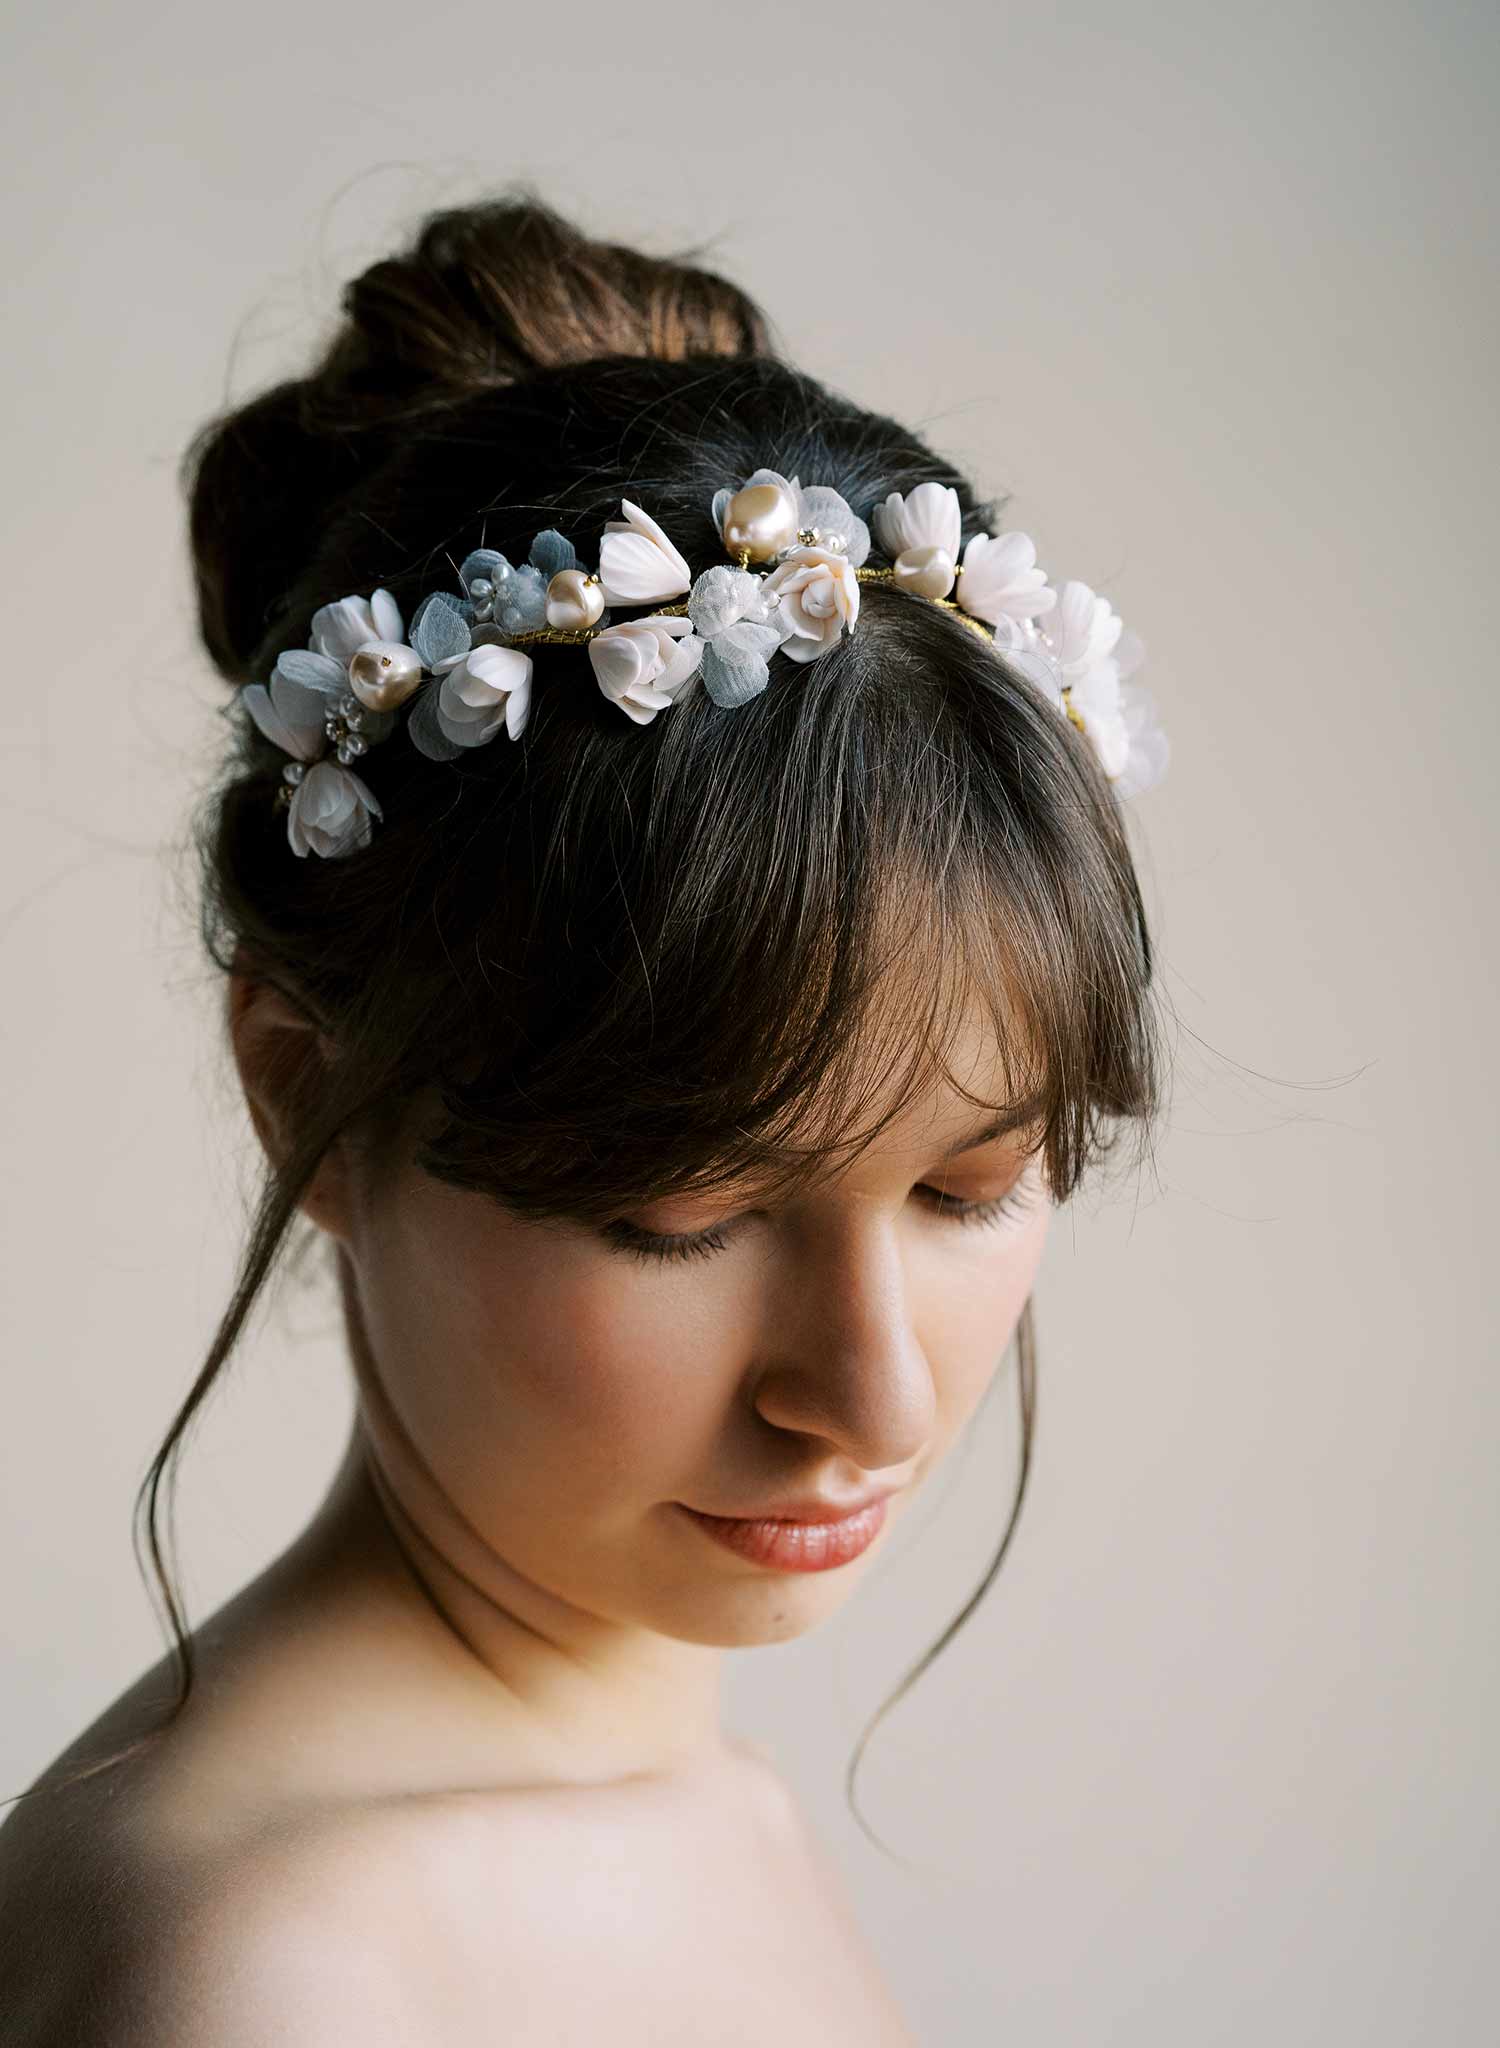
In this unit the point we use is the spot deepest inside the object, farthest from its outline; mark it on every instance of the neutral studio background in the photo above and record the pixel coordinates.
(1208, 292)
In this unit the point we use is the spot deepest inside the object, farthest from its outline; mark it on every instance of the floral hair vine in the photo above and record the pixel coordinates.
(463, 666)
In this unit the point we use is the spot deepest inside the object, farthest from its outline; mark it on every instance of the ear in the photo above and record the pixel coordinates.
(283, 1056)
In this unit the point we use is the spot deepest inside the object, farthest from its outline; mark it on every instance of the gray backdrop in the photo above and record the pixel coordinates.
(1207, 290)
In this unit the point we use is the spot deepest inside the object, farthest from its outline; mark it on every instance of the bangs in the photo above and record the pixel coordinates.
(780, 921)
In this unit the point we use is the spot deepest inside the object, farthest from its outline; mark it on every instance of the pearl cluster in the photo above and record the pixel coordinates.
(574, 599)
(760, 523)
(343, 727)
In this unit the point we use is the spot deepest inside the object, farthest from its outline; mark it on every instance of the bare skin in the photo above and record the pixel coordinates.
(318, 1777)
(454, 1770)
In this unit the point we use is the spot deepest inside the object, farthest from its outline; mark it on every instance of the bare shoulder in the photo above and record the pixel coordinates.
(328, 1931)
(290, 1936)
(428, 1921)
(453, 1920)
(444, 1919)
(438, 1921)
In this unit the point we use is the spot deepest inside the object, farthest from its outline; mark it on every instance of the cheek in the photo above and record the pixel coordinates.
(512, 1342)
(972, 1314)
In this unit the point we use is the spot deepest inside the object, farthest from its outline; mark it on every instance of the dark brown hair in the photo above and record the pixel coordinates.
(628, 960)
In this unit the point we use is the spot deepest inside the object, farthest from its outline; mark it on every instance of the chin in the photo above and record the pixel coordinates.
(759, 1616)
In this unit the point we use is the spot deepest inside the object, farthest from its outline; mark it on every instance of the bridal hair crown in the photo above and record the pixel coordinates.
(463, 667)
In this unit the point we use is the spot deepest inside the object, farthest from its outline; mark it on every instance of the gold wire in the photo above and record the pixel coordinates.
(577, 636)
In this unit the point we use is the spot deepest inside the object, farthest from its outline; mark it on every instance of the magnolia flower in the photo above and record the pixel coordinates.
(480, 691)
(1000, 583)
(340, 630)
(642, 664)
(330, 807)
(330, 812)
(353, 642)
(1094, 701)
(922, 535)
(1091, 652)
(1082, 632)
(930, 518)
(729, 613)
(292, 716)
(1079, 657)
(637, 563)
(817, 595)
(479, 683)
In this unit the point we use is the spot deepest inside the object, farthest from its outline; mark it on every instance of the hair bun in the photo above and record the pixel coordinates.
(484, 296)
(494, 292)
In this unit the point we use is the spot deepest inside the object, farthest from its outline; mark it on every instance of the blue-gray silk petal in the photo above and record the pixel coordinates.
(427, 735)
(483, 562)
(439, 629)
(732, 679)
(552, 552)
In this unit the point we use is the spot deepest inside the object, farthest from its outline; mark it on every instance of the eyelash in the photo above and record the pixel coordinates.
(645, 1244)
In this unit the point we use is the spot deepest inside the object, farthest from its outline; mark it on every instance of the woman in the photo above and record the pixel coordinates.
(680, 945)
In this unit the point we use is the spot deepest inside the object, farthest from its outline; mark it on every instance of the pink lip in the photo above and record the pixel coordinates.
(811, 1544)
(811, 1508)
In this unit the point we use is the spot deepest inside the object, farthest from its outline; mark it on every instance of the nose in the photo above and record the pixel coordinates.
(843, 1360)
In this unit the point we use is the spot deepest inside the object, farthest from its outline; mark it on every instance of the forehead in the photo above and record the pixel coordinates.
(926, 1081)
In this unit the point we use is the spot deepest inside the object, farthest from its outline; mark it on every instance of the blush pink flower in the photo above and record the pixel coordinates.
(816, 594)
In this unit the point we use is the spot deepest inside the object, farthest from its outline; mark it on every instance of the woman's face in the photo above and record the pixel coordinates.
(567, 1390)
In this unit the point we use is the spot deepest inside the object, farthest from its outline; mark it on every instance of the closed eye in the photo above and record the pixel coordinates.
(624, 1236)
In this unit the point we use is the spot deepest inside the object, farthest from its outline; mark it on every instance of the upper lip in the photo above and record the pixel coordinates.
(812, 1507)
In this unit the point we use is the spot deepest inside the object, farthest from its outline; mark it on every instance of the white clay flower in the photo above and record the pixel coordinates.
(1095, 702)
(340, 630)
(922, 534)
(330, 812)
(930, 518)
(1000, 583)
(356, 648)
(1082, 631)
(480, 691)
(1078, 656)
(330, 808)
(479, 684)
(642, 664)
(290, 715)
(637, 563)
(1085, 640)
(817, 596)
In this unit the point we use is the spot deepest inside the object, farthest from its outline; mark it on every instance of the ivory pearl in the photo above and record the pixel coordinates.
(573, 600)
(928, 572)
(761, 520)
(384, 674)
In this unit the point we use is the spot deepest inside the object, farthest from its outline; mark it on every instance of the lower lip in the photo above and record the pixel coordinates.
(796, 1546)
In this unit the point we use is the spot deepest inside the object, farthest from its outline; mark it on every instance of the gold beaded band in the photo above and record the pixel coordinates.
(360, 666)
(577, 636)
